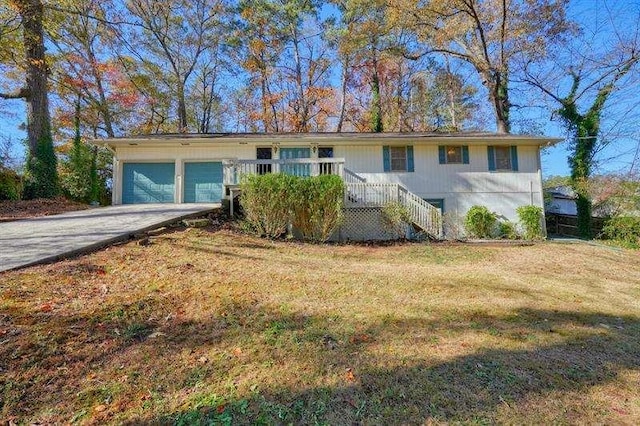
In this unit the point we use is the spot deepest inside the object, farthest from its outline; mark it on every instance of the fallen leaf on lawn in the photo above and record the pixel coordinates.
(237, 351)
(100, 408)
(220, 408)
(350, 376)
(47, 307)
(360, 338)
(157, 334)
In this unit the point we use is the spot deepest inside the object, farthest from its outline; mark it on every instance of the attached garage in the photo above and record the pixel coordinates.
(148, 183)
(202, 182)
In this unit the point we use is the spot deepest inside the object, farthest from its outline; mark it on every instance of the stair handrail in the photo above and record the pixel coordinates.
(423, 213)
(352, 177)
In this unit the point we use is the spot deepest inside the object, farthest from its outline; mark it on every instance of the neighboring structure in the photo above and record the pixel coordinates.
(561, 200)
(450, 172)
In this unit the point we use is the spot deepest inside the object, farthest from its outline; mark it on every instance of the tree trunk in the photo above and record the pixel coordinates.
(343, 93)
(40, 171)
(501, 105)
(497, 83)
(182, 109)
(376, 102)
(103, 107)
(302, 119)
(38, 119)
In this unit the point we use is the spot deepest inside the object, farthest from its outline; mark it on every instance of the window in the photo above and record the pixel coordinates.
(263, 154)
(503, 158)
(398, 158)
(452, 154)
(326, 152)
(436, 202)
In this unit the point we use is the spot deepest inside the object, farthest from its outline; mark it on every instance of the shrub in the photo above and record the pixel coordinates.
(266, 203)
(313, 205)
(531, 221)
(508, 230)
(396, 217)
(10, 185)
(624, 229)
(479, 222)
(317, 205)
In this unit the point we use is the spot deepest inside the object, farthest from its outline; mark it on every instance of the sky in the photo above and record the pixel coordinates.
(591, 14)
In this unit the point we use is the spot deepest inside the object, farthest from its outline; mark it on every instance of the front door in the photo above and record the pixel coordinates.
(294, 153)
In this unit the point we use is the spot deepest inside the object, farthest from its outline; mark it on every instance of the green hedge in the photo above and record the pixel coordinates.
(480, 222)
(312, 205)
(265, 201)
(624, 229)
(531, 221)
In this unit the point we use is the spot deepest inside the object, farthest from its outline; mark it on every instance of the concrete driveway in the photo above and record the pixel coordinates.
(45, 239)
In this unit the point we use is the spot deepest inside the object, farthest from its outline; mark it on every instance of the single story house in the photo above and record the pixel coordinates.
(430, 173)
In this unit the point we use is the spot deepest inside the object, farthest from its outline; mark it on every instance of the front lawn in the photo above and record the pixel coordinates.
(215, 327)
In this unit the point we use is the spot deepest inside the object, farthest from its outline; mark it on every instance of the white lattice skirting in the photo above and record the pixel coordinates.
(364, 224)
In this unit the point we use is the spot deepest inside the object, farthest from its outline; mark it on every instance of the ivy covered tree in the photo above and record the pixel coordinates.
(593, 75)
(41, 178)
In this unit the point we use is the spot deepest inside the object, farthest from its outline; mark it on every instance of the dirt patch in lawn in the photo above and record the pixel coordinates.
(204, 326)
(25, 209)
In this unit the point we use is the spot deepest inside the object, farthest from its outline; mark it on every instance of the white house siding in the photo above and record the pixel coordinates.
(459, 185)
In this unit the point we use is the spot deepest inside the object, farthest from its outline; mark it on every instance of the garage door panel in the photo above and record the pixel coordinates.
(148, 183)
(202, 182)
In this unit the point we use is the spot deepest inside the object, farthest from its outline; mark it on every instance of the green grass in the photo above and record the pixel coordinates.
(204, 327)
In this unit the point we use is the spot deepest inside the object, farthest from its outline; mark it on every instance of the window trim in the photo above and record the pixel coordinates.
(493, 159)
(409, 159)
(443, 154)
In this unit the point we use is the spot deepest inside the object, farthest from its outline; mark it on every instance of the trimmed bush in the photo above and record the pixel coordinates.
(266, 203)
(531, 221)
(317, 206)
(479, 222)
(313, 205)
(624, 229)
(10, 184)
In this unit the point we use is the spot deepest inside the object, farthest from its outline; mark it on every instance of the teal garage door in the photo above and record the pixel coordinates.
(202, 182)
(294, 153)
(148, 183)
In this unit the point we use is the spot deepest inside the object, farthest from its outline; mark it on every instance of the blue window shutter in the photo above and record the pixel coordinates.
(410, 166)
(514, 158)
(442, 155)
(465, 154)
(386, 158)
(492, 159)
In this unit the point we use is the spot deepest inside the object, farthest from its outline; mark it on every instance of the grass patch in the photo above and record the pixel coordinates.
(219, 328)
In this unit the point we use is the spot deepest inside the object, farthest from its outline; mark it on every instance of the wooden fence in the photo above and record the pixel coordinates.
(563, 224)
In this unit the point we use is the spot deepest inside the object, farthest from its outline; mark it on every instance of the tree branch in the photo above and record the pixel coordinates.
(22, 93)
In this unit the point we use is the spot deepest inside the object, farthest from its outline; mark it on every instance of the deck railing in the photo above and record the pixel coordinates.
(359, 192)
(371, 194)
(233, 170)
